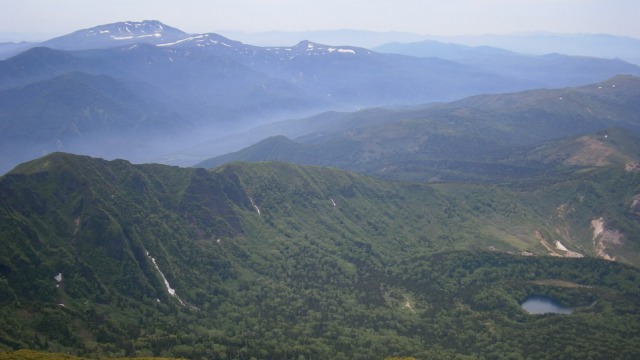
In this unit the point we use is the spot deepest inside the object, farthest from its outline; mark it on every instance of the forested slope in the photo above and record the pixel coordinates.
(273, 260)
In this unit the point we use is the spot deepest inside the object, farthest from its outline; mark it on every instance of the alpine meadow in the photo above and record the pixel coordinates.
(177, 195)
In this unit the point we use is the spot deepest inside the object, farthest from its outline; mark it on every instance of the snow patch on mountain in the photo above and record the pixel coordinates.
(58, 279)
(202, 40)
(170, 290)
(128, 30)
(311, 48)
(561, 246)
(191, 38)
(343, 51)
(254, 205)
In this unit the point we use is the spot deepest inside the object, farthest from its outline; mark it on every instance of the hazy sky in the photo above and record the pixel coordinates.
(427, 17)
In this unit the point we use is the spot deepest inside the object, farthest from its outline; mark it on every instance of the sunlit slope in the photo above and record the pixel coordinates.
(488, 138)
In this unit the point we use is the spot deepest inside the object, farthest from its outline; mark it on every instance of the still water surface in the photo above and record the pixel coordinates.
(544, 305)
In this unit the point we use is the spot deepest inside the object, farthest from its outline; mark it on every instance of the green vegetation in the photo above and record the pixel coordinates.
(272, 260)
(40, 355)
(504, 138)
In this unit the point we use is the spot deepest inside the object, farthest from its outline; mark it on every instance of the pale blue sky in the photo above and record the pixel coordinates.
(427, 17)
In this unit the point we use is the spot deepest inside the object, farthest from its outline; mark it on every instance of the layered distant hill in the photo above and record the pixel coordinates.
(567, 69)
(197, 87)
(481, 138)
(594, 45)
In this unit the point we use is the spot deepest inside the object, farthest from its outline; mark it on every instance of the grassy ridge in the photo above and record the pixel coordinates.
(487, 138)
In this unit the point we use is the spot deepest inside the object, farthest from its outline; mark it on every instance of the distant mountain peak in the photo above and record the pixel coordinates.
(129, 30)
(204, 40)
(117, 34)
(311, 48)
(306, 44)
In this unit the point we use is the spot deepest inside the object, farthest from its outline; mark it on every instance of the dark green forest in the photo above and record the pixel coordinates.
(271, 260)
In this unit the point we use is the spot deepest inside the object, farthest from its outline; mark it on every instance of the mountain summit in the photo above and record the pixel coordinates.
(117, 34)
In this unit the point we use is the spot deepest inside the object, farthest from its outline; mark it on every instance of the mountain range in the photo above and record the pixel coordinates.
(594, 45)
(210, 86)
(507, 62)
(482, 138)
(406, 207)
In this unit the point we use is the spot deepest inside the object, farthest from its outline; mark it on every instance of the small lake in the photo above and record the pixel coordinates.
(545, 305)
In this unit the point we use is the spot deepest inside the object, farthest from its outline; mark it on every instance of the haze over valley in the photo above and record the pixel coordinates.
(293, 193)
(158, 91)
